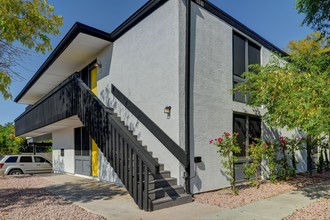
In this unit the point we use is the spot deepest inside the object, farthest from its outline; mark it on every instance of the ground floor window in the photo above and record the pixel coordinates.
(249, 128)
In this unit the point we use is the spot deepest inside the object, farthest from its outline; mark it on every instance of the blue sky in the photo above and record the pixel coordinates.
(277, 21)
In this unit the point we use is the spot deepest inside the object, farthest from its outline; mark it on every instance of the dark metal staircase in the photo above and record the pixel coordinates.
(148, 183)
(163, 189)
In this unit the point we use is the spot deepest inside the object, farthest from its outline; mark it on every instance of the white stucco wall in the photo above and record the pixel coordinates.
(144, 65)
(106, 172)
(63, 139)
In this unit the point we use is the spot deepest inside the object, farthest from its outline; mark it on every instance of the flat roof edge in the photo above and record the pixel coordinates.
(148, 8)
(238, 25)
(129, 23)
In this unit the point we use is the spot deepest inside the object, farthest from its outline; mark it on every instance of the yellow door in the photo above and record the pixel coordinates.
(95, 149)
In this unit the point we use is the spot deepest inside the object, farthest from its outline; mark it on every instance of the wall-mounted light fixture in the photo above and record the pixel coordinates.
(167, 110)
(98, 64)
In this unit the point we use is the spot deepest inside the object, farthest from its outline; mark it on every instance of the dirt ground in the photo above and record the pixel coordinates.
(23, 197)
(226, 199)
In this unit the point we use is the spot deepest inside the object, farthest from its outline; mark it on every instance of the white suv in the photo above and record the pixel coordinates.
(24, 164)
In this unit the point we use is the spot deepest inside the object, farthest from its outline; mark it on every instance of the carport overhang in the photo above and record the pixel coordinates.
(77, 49)
(38, 134)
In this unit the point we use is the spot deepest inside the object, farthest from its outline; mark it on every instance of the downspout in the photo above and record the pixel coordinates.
(187, 94)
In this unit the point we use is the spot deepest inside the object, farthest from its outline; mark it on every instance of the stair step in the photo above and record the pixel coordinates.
(168, 202)
(161, 167)
(169, 191)
(162, 174)
(161, 183)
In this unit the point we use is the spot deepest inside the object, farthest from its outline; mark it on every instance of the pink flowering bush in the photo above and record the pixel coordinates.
(286, 149)
(228, 147)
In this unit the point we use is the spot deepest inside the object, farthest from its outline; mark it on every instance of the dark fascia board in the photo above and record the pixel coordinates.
(138, 16)
(76, 29)
(238, 25)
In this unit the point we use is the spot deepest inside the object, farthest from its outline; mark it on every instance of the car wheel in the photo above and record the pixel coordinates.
(15, 172)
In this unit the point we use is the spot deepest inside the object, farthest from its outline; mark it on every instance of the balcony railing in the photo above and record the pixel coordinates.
(57, 105)
(129, 159)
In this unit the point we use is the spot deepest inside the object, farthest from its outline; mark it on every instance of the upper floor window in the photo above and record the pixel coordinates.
(245, 53)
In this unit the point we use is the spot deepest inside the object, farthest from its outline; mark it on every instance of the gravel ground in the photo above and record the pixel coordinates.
(22, 197)
(319, 210)
(226, 199)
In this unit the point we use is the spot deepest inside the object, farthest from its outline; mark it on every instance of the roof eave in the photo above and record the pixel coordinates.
(76, 29)
(238, 25)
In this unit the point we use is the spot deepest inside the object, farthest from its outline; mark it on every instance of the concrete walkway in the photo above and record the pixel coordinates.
(114, 202)
(276, 207)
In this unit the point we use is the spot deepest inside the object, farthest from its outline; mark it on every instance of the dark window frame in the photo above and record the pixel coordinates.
(247, 137)
(82, 142)
(238, 97)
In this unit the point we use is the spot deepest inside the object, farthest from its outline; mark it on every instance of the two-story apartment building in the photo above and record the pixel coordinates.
(137, 106)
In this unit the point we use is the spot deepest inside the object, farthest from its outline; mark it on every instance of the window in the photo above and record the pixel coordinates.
(39, 160)
(25, 159)
(244, 53)
(249, 128)
(82, 142)
(11, 160)
(62, 152)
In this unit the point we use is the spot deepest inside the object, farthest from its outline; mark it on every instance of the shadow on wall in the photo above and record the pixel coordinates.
(110, 101)
(106, 172)
(271, 134)
(198, 183)
(58, 165)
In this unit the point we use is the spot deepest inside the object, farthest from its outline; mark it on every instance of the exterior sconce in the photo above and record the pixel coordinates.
(98, 64)
(167, 110)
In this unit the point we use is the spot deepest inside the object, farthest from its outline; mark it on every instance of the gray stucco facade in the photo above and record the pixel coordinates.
(147, 64)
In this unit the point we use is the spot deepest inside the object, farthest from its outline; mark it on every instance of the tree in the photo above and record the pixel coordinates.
(317, 14)
(26, 23)
(296, 91)
(9, 143)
